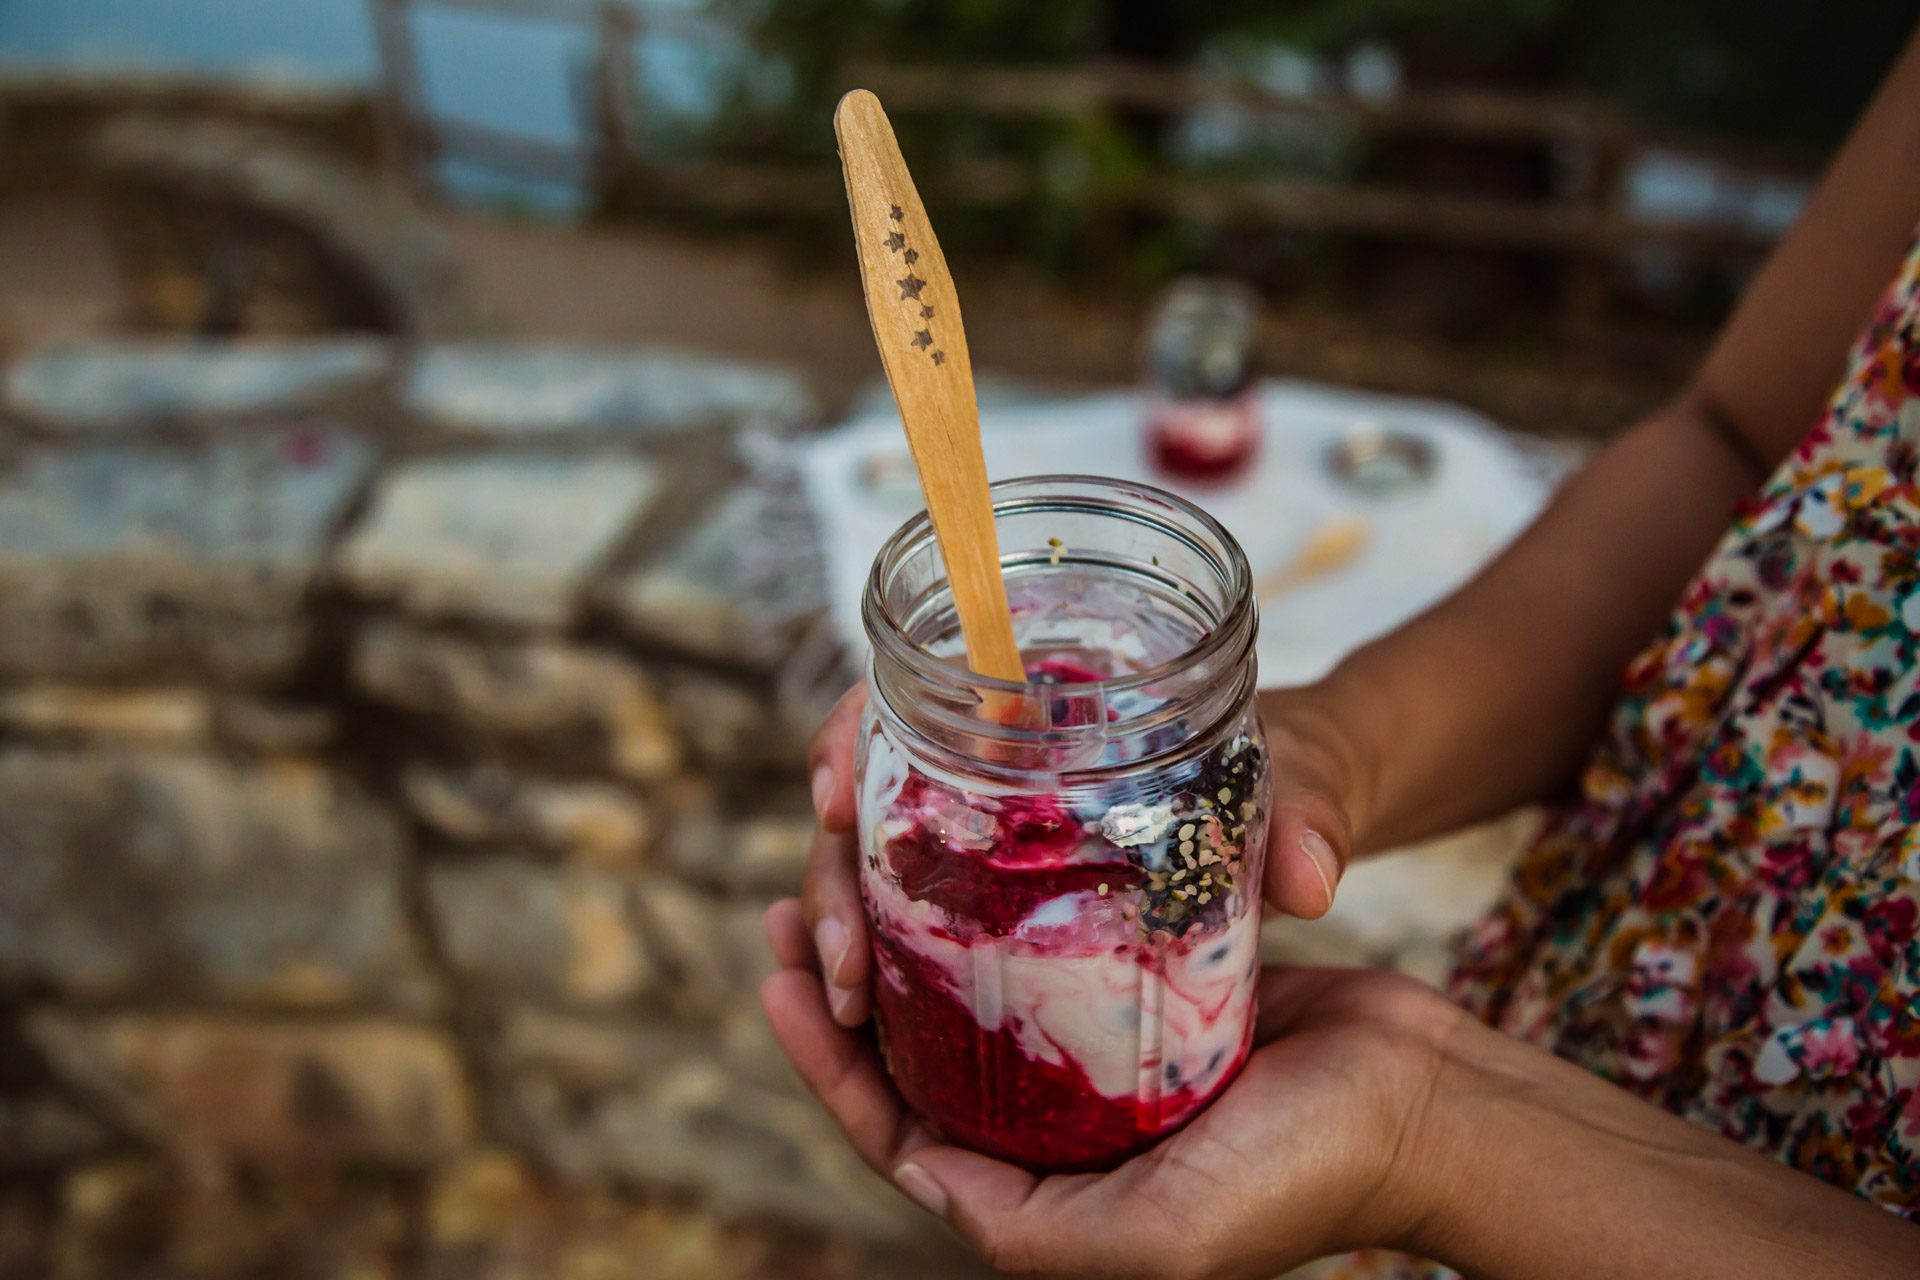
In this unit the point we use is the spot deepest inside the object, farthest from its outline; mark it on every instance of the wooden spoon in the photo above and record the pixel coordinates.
(1328, 549)
(915, 315)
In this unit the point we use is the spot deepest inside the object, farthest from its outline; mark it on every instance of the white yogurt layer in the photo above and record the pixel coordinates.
(1075, 982)
(1085, 992)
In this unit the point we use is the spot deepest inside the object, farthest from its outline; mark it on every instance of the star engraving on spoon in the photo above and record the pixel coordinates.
(923, 339)
(911, 287)
(939, 357)
(898, 214)
(896, 242)
(926, 313)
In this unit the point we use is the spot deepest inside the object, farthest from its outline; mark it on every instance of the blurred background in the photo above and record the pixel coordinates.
(440, 446)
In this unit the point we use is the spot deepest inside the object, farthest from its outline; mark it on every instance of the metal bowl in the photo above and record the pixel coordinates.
(1378, 461)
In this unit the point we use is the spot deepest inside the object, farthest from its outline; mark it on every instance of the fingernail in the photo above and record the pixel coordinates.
(919, 1184)
(822, 790)
(839, 1000)
(1320, 853)
(830, 940)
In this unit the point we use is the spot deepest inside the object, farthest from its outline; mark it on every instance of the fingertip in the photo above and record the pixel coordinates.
(798, 1016)
(1304, 877)
(840, 813)
(848, 1005)
(785, 925)
(773, 997)
(922, 1188)
(1324, 864)
(1306, 854)
(831, 941)
(821, 785)
(831, 763)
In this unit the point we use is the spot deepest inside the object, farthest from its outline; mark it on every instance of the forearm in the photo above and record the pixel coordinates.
(1493, 697)
(1533, 1167)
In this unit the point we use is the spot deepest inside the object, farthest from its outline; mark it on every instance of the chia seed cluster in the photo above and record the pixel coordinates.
(1191, 847)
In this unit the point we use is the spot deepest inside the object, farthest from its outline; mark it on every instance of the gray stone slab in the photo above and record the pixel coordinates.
(123, 383)
(738, 586)
(509, 537)
(518, 390)
(658, 1104)
(216, 1089)
(729, 727)
(596, 822)
(563, 934)
(180, 878)
(40, 1131)
(120, 560)
(763, 854)
(537, 697)
(713, 946)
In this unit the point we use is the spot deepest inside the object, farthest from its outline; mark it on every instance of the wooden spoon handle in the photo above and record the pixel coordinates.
(1328, 549)
(915, 315)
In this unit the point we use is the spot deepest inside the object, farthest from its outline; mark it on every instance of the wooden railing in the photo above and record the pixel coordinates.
(1581, 223)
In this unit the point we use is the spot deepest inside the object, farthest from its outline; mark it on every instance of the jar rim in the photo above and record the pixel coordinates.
(1023, 494)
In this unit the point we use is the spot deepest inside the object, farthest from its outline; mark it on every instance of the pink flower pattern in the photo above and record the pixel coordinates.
(1723, 920)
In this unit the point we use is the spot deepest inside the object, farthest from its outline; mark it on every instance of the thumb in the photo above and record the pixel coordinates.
(1310, 832)
(1307, 852)
(963, 1185)
(1017, 1222)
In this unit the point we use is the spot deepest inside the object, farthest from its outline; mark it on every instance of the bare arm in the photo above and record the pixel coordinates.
(1493, 697)
(1533, 1167)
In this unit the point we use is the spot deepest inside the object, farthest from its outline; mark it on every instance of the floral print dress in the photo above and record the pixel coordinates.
(1724, 920)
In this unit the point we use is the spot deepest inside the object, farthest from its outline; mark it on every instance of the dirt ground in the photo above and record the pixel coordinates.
(623, 285)
(744, 298)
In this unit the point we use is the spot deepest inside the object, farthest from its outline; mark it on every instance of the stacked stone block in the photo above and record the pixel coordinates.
(397, 749)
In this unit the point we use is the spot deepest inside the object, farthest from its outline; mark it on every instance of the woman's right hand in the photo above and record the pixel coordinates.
(1319, 785)
(1321, 780)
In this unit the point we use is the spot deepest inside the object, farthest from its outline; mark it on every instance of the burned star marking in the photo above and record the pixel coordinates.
(939, 357)
(897, 242)
(898, 214)
(913, 256)
(911, 287)
(926, 313)
(923, 339)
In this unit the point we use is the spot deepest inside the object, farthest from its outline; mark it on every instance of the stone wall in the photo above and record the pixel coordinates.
(397, 749)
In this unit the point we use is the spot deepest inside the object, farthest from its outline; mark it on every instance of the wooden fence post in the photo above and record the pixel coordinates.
(408, 144)
(615, 127)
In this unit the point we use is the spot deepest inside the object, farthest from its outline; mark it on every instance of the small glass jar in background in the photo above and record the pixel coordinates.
(1064, 899)
(1204, 423)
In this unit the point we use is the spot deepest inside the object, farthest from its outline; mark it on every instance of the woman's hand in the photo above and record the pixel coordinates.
(1321, 781)
(833, 917)
(1319, 784)
(1372, 1112)
(1317, 1146)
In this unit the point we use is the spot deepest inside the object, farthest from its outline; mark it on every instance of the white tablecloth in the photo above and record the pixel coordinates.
(1421, 543)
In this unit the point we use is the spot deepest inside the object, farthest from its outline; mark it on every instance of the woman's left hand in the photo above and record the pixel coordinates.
(1317, 1146)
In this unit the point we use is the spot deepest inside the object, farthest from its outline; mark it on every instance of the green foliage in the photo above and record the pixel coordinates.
(1784, 74)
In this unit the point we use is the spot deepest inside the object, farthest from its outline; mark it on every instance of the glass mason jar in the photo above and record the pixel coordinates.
(1063, 877)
